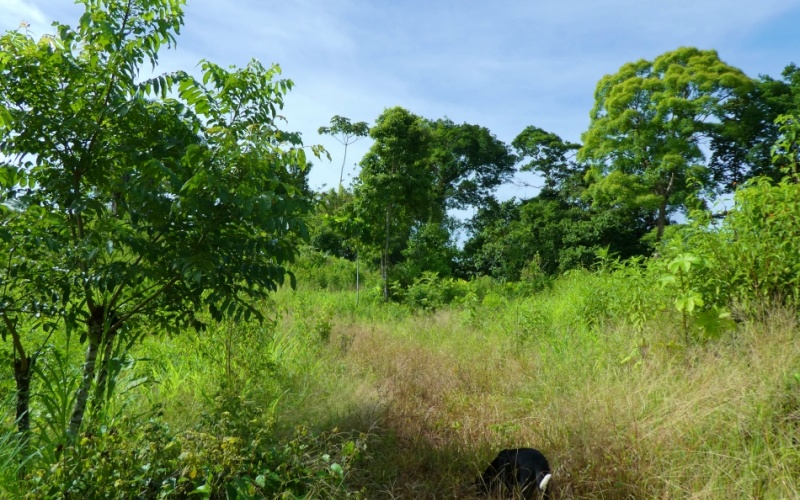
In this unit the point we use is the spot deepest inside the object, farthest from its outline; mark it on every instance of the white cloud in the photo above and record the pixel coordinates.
(17, 11)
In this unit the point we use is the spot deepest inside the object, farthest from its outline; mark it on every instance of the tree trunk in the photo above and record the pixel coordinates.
(23, 372)
(95, 338)
(341, 172)
(385, 258)
(661, 221)
(357, 279)
(105, 369)
(662, 209)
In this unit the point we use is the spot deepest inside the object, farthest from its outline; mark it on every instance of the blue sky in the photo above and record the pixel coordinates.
(503, 64)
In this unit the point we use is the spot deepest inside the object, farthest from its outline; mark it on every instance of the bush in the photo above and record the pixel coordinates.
(430, 292)
(321, 271)
(751, 260)
(127, 460)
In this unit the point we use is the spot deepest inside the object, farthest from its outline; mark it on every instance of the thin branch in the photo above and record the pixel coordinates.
(142, 305)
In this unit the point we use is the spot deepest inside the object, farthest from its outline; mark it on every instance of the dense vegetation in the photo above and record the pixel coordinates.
(642, 335)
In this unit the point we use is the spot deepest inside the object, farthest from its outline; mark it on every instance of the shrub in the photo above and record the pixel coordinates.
(750, 260)
(220, 460)
(430, 291)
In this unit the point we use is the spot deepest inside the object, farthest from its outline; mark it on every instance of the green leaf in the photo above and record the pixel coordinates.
(202, 490)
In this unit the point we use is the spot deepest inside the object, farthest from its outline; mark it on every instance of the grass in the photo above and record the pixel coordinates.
(621, 410)
(594, 372)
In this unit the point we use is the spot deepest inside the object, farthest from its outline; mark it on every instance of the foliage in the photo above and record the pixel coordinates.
(430, 250)
(429, 291)
(689, 301)
(415, 172)
(324, 271)
(346, 132)
(176, 205)
(750, 260)
(127, 459)
(394, 186)
(468, 163)
(741, 145)
(122, 205)
(786, 151)
(558, 235)
(550, 156)
(647, 123)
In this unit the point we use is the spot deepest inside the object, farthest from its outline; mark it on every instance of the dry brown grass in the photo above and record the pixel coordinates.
(619, 415)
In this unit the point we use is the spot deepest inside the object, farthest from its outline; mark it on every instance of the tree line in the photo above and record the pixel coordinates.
(666, 137)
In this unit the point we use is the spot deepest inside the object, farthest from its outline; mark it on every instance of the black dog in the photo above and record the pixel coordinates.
(522, 469)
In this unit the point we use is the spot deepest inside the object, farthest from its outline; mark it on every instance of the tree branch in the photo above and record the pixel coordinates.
(142, 305)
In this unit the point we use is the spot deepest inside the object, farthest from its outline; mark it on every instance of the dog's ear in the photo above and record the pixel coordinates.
(545, 480)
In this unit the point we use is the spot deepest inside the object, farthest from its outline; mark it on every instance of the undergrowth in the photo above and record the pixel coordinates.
(659, 378)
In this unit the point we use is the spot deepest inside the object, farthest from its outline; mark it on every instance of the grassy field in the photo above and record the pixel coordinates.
(621, 410)
(387, 401)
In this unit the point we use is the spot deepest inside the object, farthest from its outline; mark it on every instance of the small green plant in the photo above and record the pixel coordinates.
(687, 299)
(430, 292)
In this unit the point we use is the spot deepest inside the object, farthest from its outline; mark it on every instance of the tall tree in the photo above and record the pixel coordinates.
(644, 139)
(468, 163)
(395, 184)
(346, 132)
(741, 144)
(122, 206)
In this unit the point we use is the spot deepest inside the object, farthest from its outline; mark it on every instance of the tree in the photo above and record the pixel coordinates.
(346, 132)
(643, 141)
(549, 232)
(121, 206)
(468, 163)
(551, 157)
(741, 145)
(394, 186)
(556, 230)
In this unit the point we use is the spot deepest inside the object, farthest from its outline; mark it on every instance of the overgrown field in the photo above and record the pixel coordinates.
(623, 408)
(375, 400)
(670, 377)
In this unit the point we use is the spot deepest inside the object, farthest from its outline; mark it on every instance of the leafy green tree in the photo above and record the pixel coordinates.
(547, 231)
(416, 172)
(331, 227)
(394, 188)
(430, 249)
(468, 163)
(643, 142)
(123, 207)
(741, 144)
(550, 156)
(556, 230)
(346, 132)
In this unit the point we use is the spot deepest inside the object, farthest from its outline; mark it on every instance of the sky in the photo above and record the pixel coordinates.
(501, 64)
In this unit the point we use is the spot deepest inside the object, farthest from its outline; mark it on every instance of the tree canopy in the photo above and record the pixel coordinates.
(346, 132)
(644, 139)
(127, 203)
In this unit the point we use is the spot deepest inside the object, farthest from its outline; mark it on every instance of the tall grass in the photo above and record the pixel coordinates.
(613, 396)
(343, 398)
